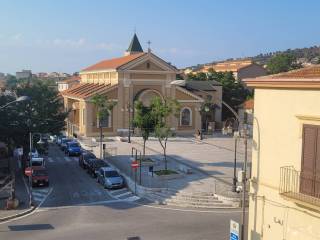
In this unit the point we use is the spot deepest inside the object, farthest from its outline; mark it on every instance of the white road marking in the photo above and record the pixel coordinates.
(115, 191)
(50, 159)
(123, 194)
(67, 159)
(38, 194)
(133, 198)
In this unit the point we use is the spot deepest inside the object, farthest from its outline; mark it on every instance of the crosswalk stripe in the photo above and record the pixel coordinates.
(42, 191)
(114, 192)
(123, 194)
(38, 194)
(37, 198)
(133, 198)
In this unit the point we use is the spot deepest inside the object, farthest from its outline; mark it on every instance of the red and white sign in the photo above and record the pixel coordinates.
(28, 172)
(135, 164)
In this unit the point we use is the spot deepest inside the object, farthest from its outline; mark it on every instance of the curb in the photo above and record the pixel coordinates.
(18, 214)
(186, 164)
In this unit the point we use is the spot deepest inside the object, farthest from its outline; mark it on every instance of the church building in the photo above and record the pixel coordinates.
(136, 76)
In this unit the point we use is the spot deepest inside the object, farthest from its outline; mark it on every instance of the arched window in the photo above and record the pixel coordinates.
(105, 121)
(186, 117)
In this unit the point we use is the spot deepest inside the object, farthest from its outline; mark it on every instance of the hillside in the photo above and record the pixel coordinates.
(303, 55)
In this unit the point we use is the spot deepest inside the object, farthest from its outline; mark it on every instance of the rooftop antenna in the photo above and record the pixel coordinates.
(149, 43)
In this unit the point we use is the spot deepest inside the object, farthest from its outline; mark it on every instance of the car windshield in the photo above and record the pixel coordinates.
(111, 174)
(74, 145)
(100, 163)
(88, 156)
(41, 172)
(36, 163)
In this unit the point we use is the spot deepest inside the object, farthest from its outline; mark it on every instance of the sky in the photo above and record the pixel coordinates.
(69, 35)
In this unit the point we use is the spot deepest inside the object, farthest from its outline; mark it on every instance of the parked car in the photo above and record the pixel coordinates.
(94, 165)
(110, 178)
(39, 176)
(59, 139)
(64, 141)
(84, 157)
(73, 149)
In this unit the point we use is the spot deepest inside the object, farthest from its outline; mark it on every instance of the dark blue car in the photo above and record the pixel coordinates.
(73, 149)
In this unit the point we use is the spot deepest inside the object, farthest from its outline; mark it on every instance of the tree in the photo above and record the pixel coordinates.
(43, 113)
(282, 62)
(233, 91)
(144, 120)
(161, 110)
(103, 107)
(199, 76)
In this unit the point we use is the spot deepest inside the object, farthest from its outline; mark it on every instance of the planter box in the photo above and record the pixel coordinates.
(168, 177)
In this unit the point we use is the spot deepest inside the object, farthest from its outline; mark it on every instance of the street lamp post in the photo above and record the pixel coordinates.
(19, 99)
(244, 180)
(129, 127)
(31, 135)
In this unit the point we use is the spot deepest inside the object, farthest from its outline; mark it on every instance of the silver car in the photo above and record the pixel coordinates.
(110, 178)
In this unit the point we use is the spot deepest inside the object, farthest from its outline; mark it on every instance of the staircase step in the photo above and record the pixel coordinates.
(195, 197)
(200, 194)
(207, 206)
(195, 200)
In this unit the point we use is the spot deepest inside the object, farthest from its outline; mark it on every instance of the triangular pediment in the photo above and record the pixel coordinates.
(149, 62)
(148, 66)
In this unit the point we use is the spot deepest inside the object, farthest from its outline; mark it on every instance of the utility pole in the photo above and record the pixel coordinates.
(30, 177)
(235, 166)
(129, 134)
(100, 139)
(244, 182)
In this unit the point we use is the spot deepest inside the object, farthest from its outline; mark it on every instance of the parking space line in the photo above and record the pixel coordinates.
(123, 194)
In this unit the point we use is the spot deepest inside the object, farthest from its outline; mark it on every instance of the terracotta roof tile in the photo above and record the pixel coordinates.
(85, 90)
(307, 72)
(113, 63)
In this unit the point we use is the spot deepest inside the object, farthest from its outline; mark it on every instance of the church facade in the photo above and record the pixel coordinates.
(137, 76)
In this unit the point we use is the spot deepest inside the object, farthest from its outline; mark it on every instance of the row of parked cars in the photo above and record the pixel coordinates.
(35, 165)
(96, 168)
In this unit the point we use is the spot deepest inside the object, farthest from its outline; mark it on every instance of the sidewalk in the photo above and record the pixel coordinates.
(21, 194)
(199, 181)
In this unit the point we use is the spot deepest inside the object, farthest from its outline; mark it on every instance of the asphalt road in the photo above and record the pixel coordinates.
(79, 208)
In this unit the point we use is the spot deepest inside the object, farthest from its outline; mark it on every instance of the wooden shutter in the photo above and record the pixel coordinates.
(309, 155)
(317, 168)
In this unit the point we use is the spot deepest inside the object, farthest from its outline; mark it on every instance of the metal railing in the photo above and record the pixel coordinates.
(298, 185)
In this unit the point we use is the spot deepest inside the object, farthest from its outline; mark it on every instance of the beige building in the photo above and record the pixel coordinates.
(284, 198)
(68, 83)
(241, 68)
(136, 76)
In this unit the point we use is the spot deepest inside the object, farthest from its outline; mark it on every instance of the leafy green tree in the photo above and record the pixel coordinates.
(199, 76)
(233, 92)
(43, 113)
(207, 110)
(282, 62)
(144, 120)
(161, 110)
(103, 107)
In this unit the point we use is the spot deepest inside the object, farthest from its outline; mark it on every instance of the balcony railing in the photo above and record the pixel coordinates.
(301, 186)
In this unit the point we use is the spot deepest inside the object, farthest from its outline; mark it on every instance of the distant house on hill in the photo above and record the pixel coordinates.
(68, 83)
(240, 68)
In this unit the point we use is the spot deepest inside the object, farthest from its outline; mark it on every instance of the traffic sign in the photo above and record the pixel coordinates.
(234, 230)
(135, 164)
(28, 172)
